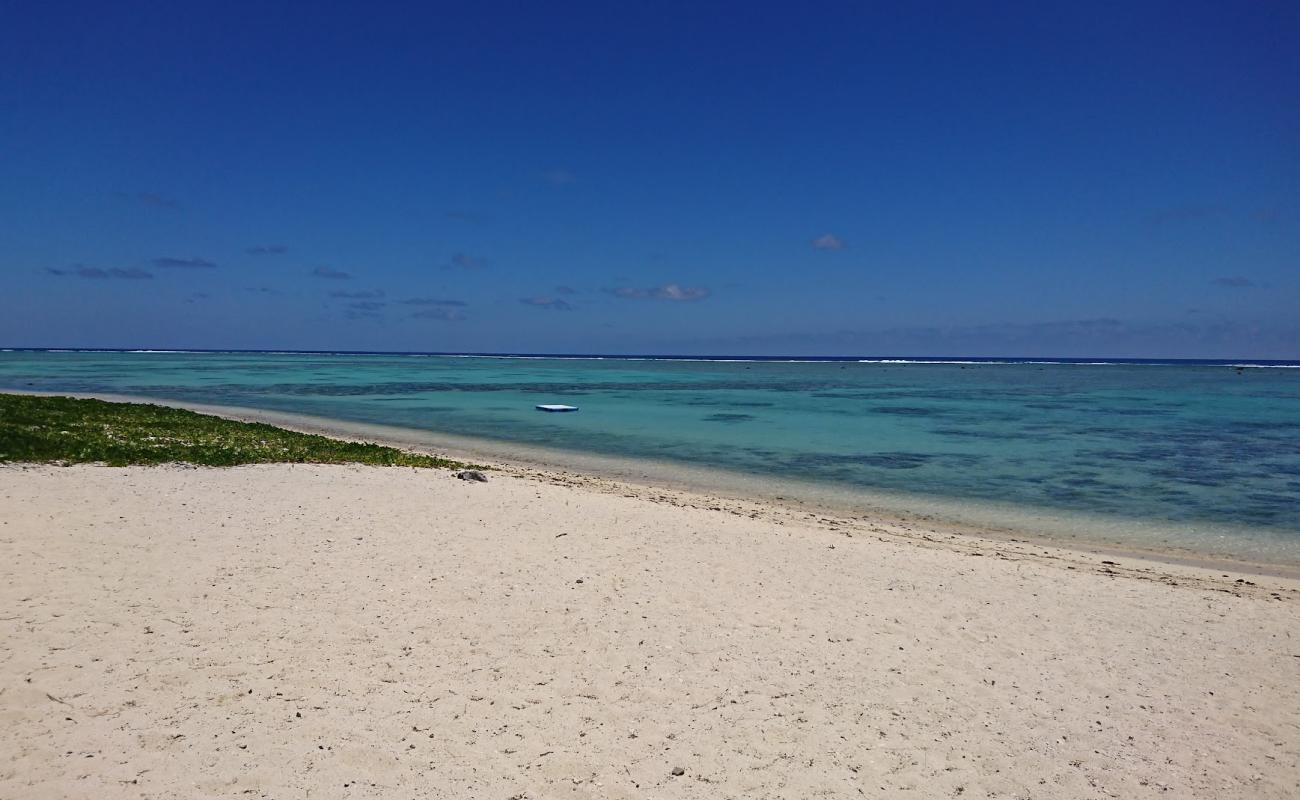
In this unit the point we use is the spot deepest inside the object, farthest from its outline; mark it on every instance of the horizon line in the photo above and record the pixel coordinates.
(865, 358)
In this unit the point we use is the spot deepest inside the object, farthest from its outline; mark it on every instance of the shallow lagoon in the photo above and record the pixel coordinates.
(1197, 456)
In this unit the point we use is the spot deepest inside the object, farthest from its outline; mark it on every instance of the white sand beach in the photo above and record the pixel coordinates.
(309, 631)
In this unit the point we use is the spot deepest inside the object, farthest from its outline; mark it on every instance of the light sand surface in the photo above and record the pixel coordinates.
(306, 631)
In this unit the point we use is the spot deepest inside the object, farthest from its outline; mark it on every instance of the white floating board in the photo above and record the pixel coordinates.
(556, 408)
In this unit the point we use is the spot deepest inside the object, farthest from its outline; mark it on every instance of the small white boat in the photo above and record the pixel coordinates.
(554, 408)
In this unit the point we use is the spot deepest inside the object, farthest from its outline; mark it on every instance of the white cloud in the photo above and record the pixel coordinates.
(669, 291)
(828, 241)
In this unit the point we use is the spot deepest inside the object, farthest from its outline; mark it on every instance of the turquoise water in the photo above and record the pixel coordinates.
(1205, 457)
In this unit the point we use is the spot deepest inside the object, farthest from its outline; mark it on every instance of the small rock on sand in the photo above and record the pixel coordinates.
(471, 475)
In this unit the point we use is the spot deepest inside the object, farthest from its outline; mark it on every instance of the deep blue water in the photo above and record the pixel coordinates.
(1207, 453)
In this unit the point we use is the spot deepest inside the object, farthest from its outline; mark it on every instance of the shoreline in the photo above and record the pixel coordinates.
(701, 488)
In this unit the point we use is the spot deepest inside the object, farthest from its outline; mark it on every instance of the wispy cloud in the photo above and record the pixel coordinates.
(444, 314)
(196, 296)
(167, 262)
(1233, 282)
(828, 241)
(565, 290)
(261, 290)
(367, 305)
(155, 200)
(669, 291)
(362, 294)
(1186, 213)
(331, 274)
(96, 273)
(464, 216)
(466, 261)
(433, 301)
(552, 303)
(267, 250)
(559, 177)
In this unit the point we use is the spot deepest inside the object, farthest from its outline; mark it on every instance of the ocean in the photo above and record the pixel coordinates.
(1196, 457)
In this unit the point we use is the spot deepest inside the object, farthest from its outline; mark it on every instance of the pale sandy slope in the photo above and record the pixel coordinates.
(332, 632)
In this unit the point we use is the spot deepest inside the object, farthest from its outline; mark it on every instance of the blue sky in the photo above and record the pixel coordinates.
(937, 179)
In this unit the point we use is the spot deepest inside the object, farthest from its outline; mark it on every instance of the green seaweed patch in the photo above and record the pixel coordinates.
(65, 430)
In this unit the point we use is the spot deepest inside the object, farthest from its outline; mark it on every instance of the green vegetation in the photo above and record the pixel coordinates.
(64, 430)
